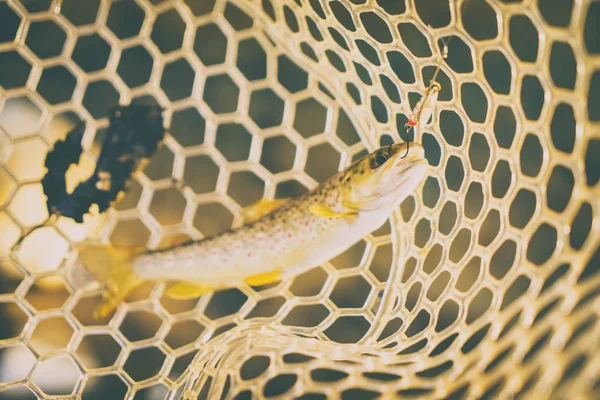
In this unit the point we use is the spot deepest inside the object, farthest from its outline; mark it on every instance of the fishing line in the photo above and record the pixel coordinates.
(432, 90)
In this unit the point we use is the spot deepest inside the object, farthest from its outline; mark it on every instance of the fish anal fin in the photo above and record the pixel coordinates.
(264, 278)
(324, 211)
(261, 208)
(184, 291)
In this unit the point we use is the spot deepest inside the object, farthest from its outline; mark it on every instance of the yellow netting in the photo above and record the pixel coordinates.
(485, 282)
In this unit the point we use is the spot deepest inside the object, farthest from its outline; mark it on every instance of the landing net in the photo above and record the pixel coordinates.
(484, 284)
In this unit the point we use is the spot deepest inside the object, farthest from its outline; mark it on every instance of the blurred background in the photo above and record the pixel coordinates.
(249, 120)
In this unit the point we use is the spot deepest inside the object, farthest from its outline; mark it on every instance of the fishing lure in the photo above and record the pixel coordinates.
(280, 238)
(423, 110)
(133, 135)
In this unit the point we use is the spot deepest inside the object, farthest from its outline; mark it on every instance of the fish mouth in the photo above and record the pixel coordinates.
(397, 173)
(403, 174)
(416, 153)
(419, 161)
(407, 173)
(405, 166)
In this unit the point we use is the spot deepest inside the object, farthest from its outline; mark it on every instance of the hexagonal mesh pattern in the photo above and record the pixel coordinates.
(483, 284)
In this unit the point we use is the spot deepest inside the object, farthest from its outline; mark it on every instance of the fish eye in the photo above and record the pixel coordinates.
(379, 159)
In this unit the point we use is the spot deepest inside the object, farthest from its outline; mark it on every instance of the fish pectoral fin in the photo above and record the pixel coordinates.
(324, 211)
(184, 291)
(261, 208)
(264, 278)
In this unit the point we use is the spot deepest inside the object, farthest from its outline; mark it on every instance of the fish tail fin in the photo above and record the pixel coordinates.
(111, 266)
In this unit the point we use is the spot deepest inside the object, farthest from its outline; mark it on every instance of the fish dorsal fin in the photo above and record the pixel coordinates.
(261, 208)
(184, 291)
(321, 210)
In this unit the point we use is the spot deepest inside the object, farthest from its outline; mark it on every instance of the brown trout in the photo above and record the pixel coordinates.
(280, 238)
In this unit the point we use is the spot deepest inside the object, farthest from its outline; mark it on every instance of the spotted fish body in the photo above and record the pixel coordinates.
(290, 239)
(279, 242)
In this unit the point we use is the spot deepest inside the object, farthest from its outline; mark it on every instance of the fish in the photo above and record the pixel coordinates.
(279, 239)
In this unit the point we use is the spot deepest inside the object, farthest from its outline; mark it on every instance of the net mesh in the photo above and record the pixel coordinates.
(483, 284)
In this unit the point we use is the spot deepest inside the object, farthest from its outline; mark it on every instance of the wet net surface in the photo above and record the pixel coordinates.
(483, 284)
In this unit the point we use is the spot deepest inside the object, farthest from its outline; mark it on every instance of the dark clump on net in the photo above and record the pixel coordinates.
(133, 135)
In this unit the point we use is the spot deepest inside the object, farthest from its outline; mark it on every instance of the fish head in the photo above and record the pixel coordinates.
(384, 178)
